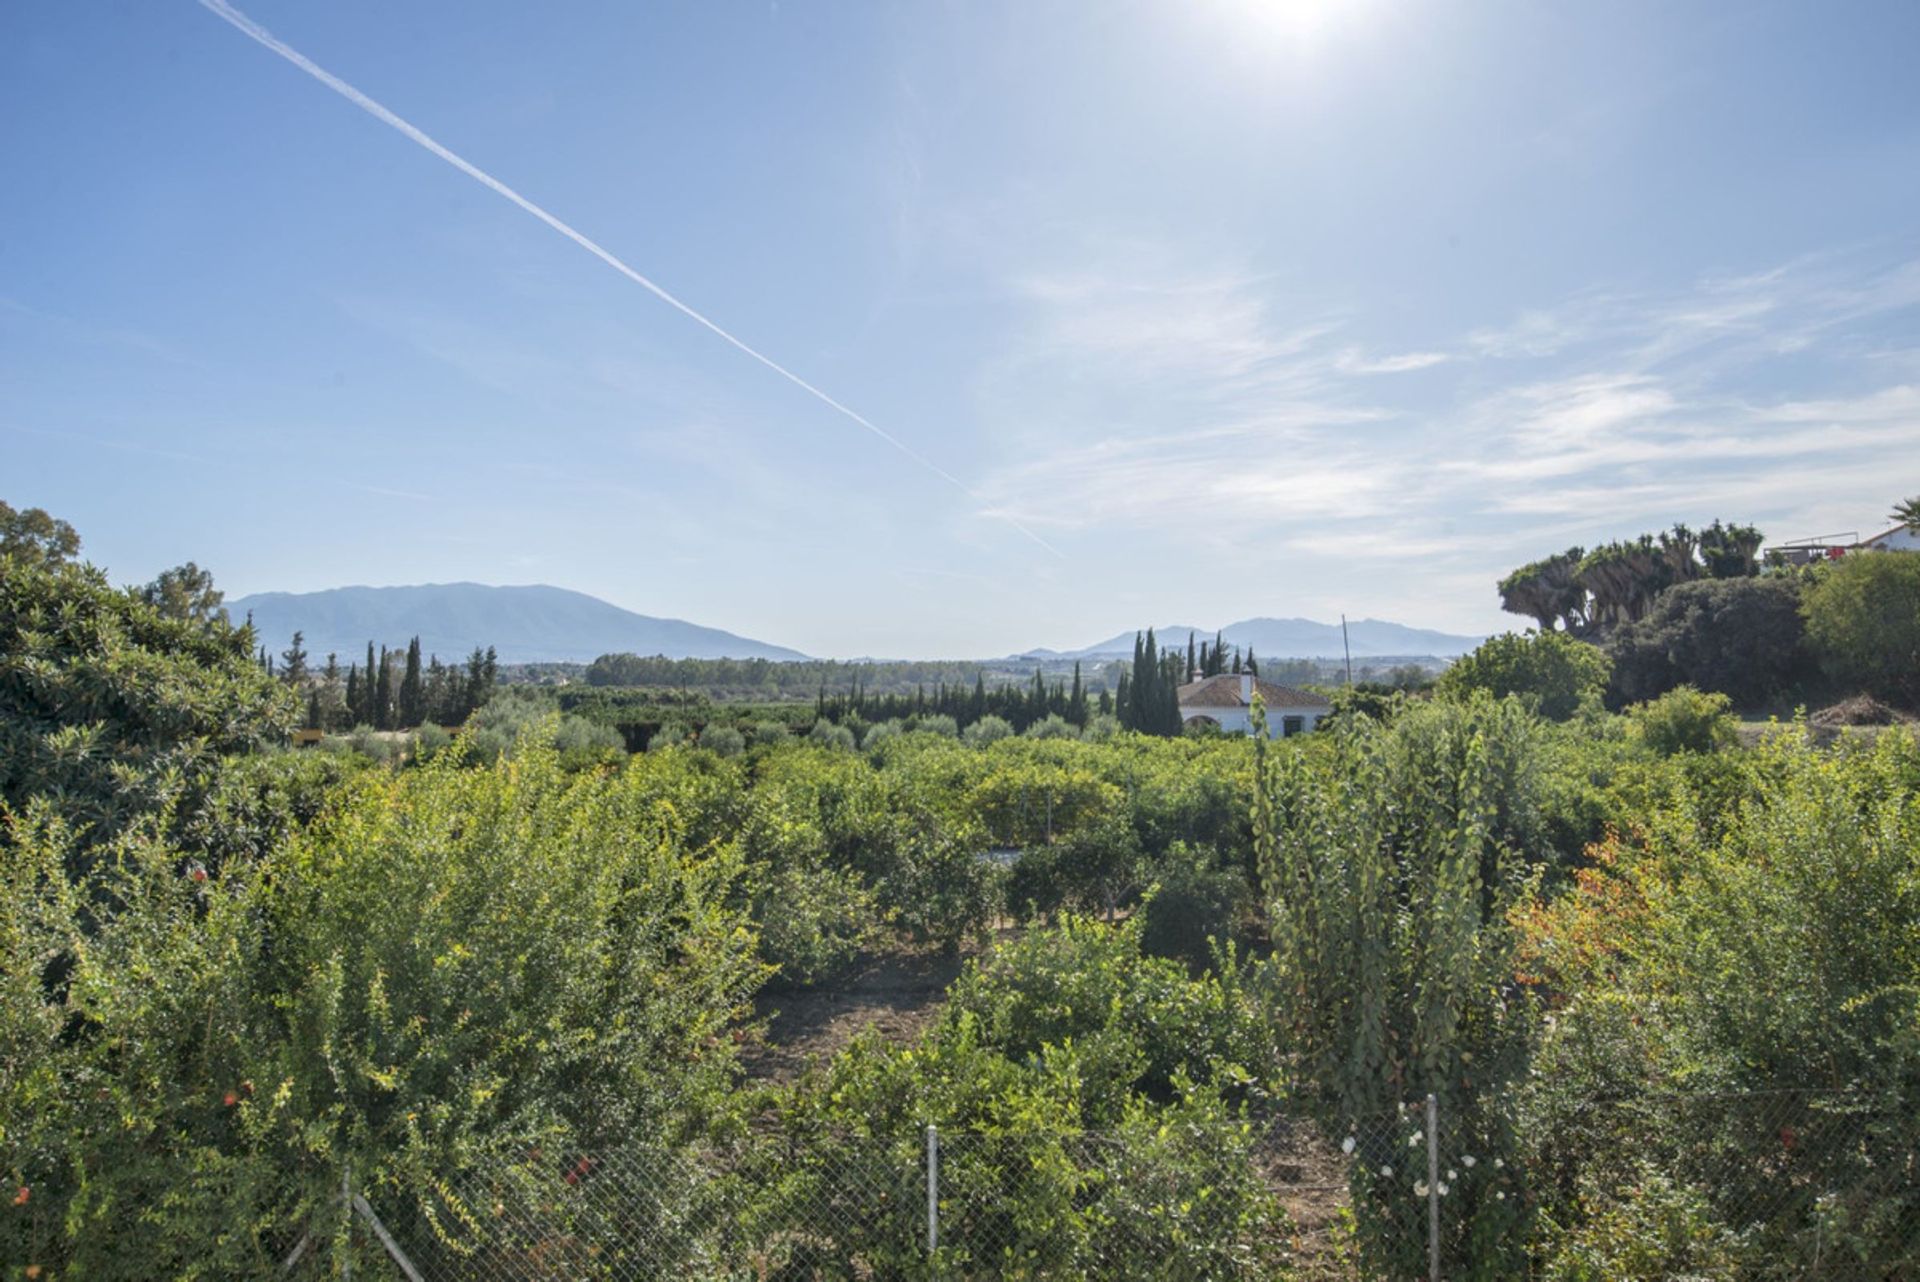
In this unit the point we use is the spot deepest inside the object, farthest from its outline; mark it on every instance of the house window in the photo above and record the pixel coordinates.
(1291, 726)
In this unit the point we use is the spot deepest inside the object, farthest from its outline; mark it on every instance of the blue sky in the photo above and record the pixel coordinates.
(1239, 307)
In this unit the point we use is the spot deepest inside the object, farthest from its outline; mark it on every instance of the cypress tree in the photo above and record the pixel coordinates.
(1191, 668)
(383, 692)
(368, 709)
(412, 705)
(353, 694)
(470, 694)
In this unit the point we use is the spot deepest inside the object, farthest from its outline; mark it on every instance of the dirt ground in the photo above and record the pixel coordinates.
(899, 994)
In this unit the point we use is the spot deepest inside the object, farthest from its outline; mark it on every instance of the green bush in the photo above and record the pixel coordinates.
(987, 730)
(1740, 637)
(1550, 671)
(1082, 1095)
(116, 709)
(828, 735)
(724, 740)
(1390, 862)
(1052, 726)
(1684, 720)
(450, 966)
(769, 733)
(430, 739)
(1863, 621)
(938, 723)
(1196, 907)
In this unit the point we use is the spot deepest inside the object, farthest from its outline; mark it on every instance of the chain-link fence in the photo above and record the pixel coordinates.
(1772, 1185)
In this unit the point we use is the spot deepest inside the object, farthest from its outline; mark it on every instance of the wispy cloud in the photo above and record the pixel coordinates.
(1198, 406)
(261, 36)
(1351, 361)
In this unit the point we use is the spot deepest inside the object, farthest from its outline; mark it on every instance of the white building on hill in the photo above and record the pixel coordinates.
(1227, 701)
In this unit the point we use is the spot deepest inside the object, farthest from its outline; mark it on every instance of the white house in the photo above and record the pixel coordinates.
(1227, 701)
(1901, 538)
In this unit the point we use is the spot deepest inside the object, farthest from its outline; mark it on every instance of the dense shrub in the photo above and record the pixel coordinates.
(828, 735)
(1863, 620)
(1053, 726)
(1769, 952)
(1555, 674)
(1684, 720)
(1196, 907)
(938, 723)
(1741, 637)
(1390, 867)
(1082, 1094)
(449, 965)
(988, 729)
(114, 708)
(725, 740)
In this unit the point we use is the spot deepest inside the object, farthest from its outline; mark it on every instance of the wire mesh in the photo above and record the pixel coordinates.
(1767, 1185)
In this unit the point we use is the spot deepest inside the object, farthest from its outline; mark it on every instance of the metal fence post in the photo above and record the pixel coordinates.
(933, 1189)
(1433, 1188)
(346, 1209)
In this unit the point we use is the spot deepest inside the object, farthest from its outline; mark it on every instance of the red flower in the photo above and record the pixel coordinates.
(1787, 1137)
(20, 1198)
(230, 1099)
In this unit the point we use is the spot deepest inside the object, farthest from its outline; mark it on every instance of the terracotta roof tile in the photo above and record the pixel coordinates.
(1224, 692)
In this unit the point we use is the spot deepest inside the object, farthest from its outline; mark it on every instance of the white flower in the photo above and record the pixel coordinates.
(1346, 1145)
(1500, 1196)
(1413, 1140)
(1442, 1187)
(1499, 1162)
(1419, 1188)
(1452, 1174)
(1387, 1171)
(1467, 1160)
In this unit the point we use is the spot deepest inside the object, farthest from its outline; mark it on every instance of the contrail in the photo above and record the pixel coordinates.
(260, 35)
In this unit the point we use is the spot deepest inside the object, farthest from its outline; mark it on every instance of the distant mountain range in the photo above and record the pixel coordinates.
(1293, 639)
(535, 624)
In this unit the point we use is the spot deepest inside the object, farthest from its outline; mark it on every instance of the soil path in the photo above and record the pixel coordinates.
(898, 993)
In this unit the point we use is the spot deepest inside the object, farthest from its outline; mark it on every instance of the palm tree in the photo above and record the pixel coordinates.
(1907, 513)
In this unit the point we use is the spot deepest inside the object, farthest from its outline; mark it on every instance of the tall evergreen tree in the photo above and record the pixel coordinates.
(293, 662)
(356, 699)
(413, 708)
(368, 708)
(383, 692)
(1192, 669)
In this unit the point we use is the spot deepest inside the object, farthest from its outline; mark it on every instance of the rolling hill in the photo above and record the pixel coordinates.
(1300, 639)
(532, 624)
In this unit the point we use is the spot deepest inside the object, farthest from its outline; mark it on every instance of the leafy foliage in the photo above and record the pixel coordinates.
(454, 962)
(1863, 617)
(1389, 871)
(110, 710)
(1552, 672)
(1740, 637)
(1684, 720)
